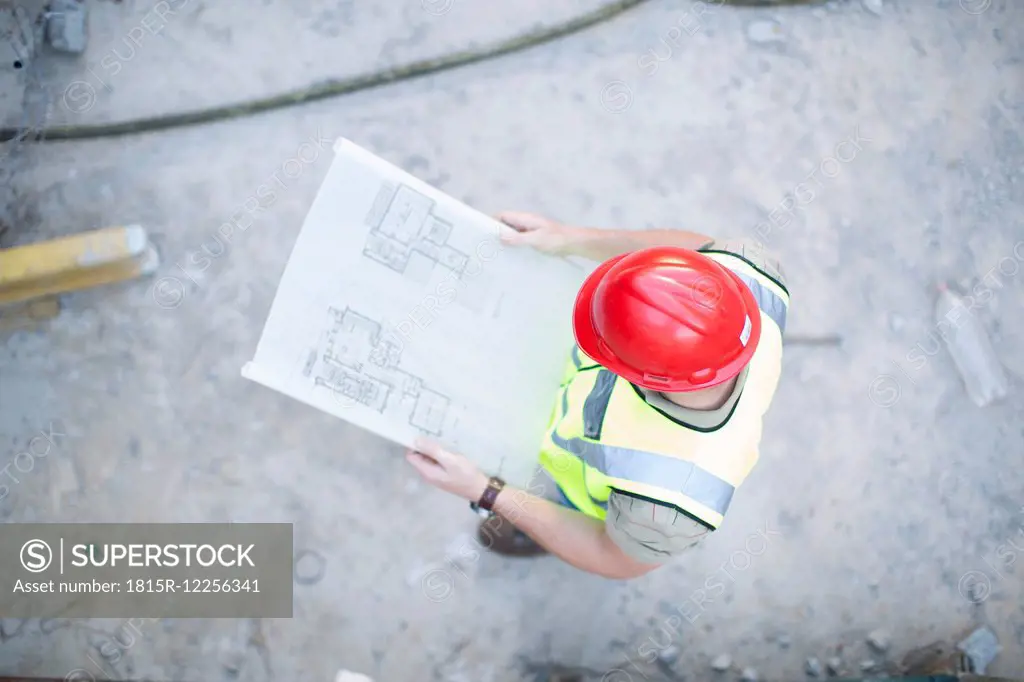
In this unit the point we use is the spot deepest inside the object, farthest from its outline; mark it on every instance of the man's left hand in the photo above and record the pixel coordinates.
(447, 470)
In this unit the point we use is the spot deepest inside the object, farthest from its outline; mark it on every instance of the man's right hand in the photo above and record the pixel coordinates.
(543, 234)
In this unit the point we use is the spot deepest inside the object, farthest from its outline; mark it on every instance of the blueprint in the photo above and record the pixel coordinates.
(400, 311)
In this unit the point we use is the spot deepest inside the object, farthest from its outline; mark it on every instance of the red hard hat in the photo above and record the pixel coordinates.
(667, 319)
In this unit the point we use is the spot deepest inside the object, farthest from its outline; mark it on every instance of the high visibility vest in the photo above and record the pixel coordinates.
(603, 435)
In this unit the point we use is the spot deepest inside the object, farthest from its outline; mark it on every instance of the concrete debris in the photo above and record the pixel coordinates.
(66, 26)
(813, 667)
(349, 676)
(462, 549)
(748, 675)
(784, 641)
(971, 349)
(834, 666)
(16, 26)
(232, 655)
(419, 570)
(669, 654)
(873, 6)
(10, 627)
(981, 647)
(722, 663)
(879, 640)
(762, 32)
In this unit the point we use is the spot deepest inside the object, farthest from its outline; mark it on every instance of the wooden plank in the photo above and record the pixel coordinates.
(73, 263)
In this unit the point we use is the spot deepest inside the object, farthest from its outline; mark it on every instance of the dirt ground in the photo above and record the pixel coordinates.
(876, 146)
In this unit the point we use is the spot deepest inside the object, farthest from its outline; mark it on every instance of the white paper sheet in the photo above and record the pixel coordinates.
(401, 312)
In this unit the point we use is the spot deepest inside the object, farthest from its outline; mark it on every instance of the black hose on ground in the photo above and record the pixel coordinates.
(333, 88)
(325, 89)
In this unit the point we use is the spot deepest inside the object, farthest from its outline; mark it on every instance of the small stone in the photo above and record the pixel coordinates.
(18, 28)
(748, 675)
(231, 656)
(414, 576)
(813, 667)
(784, 640)
(763, 32)
(879, 640)
(459, 549)
(349, 676)
(721, 663)
(66, 26)
(867, 665)
(982, 647)
(10, 627)
(873, 6)
(896, 322)
(834, 665)
(669, 654)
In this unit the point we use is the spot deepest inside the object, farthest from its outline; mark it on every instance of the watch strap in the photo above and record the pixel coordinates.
(490, 495)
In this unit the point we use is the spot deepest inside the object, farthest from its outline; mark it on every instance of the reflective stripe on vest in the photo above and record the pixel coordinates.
(639, 465)
(767, 300)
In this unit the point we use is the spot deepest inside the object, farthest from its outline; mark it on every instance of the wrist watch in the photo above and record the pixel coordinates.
(485, 505)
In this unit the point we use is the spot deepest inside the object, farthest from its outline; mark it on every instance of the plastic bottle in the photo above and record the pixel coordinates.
(969, 344)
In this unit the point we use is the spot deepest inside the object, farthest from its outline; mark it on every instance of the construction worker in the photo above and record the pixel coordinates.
(658, 418)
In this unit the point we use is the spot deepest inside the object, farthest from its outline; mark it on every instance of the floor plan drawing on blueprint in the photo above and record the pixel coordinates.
(400, 312)
(407, 235)
(358, 364)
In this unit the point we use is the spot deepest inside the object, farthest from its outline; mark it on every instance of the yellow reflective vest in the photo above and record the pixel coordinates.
(604, 436)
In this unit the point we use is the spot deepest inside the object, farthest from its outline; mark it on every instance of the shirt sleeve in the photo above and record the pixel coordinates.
(649, 532)
(753, 251)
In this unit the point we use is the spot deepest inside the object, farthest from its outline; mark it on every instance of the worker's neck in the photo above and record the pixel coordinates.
(706, 399)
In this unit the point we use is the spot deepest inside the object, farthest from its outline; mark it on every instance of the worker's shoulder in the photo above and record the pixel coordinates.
(752, 251)
(648, 531)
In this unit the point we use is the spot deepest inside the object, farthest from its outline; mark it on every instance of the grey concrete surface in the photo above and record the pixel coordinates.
(883, 497)
(147, 57)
